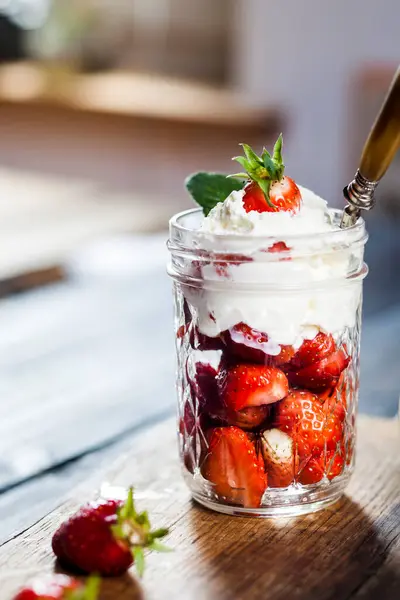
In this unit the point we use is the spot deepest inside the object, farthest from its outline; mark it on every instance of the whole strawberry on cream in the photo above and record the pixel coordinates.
(282, 228)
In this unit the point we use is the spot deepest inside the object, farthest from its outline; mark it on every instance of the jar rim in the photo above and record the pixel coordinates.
(338, 237)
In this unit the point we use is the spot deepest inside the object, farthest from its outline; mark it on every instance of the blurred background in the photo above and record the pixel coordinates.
(105, 107)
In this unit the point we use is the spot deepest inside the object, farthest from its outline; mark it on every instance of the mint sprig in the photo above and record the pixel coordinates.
(208, 189)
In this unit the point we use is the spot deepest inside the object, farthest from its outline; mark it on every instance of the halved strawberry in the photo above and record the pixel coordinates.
(234, 467)
(248, 418)
(312, 351)
(332, 464)
(268, 189)
(322, 374)
(246, 385)
(334, 399)
(250, 345)
(279, 457)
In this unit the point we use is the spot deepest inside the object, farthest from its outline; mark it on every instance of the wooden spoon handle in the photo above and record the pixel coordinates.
(384, 138)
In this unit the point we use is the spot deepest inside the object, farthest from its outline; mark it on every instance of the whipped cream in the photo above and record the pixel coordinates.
(286, 316)
(230, 217)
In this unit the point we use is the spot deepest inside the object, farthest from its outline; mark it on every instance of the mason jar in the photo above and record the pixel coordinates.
(267, 337)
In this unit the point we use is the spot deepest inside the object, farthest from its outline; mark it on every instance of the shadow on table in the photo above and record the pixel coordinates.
(114, 588)
(335, 554)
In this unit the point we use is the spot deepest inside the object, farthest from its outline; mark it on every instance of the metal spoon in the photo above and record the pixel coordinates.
(379, 150)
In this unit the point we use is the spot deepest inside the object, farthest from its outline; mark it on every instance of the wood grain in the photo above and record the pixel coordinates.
(351, 550)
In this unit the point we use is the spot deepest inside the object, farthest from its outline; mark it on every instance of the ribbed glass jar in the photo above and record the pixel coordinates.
(267, 338)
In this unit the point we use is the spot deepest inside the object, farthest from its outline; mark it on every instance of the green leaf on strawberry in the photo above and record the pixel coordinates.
(88, 592)
(135, 528)
(208, 189)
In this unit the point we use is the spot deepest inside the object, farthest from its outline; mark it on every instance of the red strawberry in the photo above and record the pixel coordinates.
(334, 399)
(106, 537)
(225, 261)
(332, 464)
(234, 467)
(251, 345)
(59, 587)
(268, 189)
(300, 415)
(279, 456)
(284, 195)
(279, 247)
(333, 405)
(322, 374)
(244, 385)
(248, 418)
(312, 351)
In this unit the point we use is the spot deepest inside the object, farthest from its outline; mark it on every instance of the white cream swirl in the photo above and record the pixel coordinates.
(287, 317)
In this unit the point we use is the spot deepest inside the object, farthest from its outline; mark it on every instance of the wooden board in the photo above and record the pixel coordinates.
(138, 96)
(351, 550)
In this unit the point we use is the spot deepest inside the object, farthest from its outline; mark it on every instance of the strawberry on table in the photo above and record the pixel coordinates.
(279, 456)
(60, 587)
(247, 385)
(234, 467)
(268, 189)
(250, 345)
(106, 537)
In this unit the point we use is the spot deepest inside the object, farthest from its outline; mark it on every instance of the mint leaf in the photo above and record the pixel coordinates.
(207, 189)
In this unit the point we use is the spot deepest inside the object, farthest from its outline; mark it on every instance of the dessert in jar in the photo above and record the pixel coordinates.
(268, 293)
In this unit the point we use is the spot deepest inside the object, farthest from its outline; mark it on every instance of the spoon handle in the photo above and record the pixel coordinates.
(379, 150)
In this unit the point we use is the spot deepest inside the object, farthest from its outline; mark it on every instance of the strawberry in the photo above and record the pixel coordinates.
(279, 456)
(234, 467)
(334, 399)
(106, 537)
(301, 415)
(332, 464)
(60, 587)
(223, 262)
(246, 385)
(312, 351)
(322, 374)
(206, 397)
(250, 345)
(278, 247)
(268, 189)
(248, 418)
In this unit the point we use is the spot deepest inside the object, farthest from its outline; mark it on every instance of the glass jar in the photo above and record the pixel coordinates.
(267, 337)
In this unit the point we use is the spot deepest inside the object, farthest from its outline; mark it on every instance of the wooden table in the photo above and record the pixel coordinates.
(351, 550)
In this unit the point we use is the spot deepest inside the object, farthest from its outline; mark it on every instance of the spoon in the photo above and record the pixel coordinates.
(379, 150)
